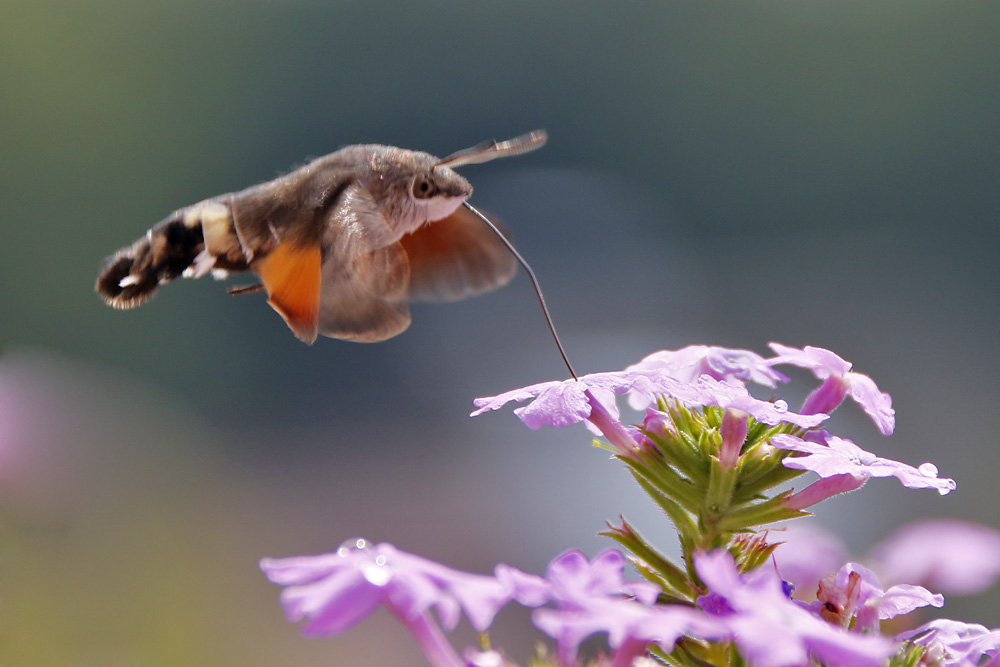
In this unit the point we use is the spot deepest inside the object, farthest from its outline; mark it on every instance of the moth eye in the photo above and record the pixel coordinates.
(423, 188)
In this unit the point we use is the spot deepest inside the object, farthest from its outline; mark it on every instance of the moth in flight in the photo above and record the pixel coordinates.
(341, 244)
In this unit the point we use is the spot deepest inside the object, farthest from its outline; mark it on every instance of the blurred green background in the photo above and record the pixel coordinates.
(727, 173)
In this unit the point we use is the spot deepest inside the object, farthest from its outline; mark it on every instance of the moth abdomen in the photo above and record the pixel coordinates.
(190, 242)
(133, 274)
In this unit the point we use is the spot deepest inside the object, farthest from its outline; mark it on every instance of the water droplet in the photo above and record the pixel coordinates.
(780, 405)
(347, 547)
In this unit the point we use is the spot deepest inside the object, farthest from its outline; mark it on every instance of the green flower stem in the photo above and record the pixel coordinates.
(687, 530)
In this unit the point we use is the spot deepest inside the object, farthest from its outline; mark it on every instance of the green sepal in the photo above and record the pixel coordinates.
(909, 655)
(752, 551)
(680, 453)
(652, 564)
(771, 510)
(666, 480)
(750, 485)
(690, 652)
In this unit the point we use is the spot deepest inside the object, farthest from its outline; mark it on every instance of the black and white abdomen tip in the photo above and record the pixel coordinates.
(174, 247)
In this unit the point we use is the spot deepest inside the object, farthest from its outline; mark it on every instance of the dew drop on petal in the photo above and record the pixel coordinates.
(780, 406)
(928, 469)
(347, 547)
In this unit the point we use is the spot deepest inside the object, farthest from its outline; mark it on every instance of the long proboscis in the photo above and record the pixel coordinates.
(491, 150)
(531, 276)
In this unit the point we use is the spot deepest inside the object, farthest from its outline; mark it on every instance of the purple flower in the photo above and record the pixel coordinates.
(854, 592)
(805, 555)
(773, 631)
(630, 626)
(955, 644)
(734, 433)
(575, 581)
(337, 590)
(571, 580)
(945, 555)
(823, 488)
(839, 382)
(726, 365)
(842, 457)
(529, 590)
(592, 596)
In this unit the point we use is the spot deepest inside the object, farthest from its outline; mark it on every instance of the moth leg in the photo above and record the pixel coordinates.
(247, 289)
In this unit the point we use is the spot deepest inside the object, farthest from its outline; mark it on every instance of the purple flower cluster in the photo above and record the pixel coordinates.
(708, 453)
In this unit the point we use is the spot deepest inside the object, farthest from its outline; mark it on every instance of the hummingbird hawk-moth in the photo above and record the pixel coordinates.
(340, 244)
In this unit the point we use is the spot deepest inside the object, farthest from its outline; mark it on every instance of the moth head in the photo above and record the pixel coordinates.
(438, 191)
(412, 189)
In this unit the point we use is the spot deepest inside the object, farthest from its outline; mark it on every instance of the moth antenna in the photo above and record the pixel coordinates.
(491, 150)
(534, 282)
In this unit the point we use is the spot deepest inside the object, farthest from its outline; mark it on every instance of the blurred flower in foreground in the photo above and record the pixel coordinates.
(945, 555)
(337, 590)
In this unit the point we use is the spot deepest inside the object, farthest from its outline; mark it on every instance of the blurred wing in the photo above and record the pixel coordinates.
(456, 257)
(364, 273)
